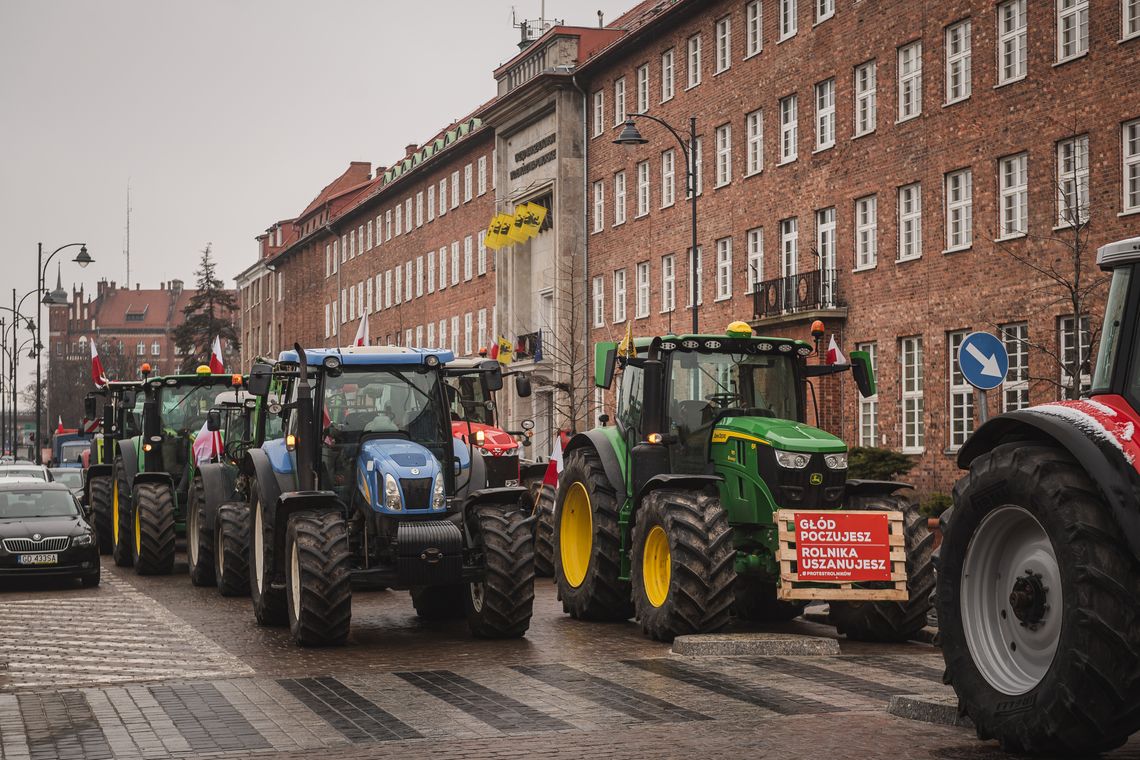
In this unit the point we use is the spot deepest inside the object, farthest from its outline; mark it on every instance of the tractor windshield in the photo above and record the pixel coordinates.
(184, 407)
(468, 400)
(406, 402)
(1110, 335)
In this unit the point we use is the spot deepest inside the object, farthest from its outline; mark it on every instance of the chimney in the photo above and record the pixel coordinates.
(409, 150)
(162, 286)
(176, 287)
(138, 286)
(380, 171)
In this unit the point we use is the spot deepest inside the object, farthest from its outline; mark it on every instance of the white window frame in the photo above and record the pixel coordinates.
(388, 224)
(824, 9)
(388, 289)
(482, 175)
(1072, 16)
(1012, 42)
(789, 247)
(481, 257)
(399, 280)
(431, 271)
(913, 402)
(408, 281)
(910, 81)
(619, 198)
(789, 19)
(754, 29)
(419, 276)
(399, 219)
(1013, 196)
(599, 112)
(468, 182)
(1015, 388)
(619, 101)
(481, 329)
(959, 76)
(1073, 181)
(1130, 169)
(1129, 19)
(641, 309)
(723, 33)
(723, 173)
(668, 178)
(455, 189)
(754, 160)
(668, 73)
(866, 232)
(431, 203)
(454, 262)
(789, 129)
(868, 434)
(468, 329)
(668, 283)
(700, 265)
(755, 268)
(443, 267)
(599, 301)
(866, 98)
(825, 114)
(443, 196)
(959, 191)
(910, 222)
(643, 88)
(599, 205)
(642, 188)
(468, 258)
(961, 395)
(826, 248)
(619, 296)
(693, 73)
(723, 269)
(1066, 350)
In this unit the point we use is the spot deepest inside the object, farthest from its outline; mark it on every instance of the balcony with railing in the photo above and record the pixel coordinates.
(798, 297)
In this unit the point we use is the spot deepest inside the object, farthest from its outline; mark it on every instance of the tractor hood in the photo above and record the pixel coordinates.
(496, 441)
(397, 476)
(786, 435)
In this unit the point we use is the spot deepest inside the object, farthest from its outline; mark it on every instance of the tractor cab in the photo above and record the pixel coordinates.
(471, 388)
(233, 416)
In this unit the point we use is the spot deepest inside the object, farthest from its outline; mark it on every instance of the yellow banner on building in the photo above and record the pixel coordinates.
(505, 351)
(497, 231)
(530, 216)
(507, 229)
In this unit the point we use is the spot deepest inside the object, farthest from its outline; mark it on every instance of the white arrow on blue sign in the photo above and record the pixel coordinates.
(983, 360)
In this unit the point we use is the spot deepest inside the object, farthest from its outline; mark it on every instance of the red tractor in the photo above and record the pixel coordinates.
(1038, 590)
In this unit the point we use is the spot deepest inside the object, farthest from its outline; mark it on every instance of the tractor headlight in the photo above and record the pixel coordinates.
(836, 461)
(391, 493)
(793, 460)
(438, 498)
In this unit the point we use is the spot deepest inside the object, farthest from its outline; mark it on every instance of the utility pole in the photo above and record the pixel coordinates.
(127, 284)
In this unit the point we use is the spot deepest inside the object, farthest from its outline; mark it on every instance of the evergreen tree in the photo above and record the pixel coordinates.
(209, 314)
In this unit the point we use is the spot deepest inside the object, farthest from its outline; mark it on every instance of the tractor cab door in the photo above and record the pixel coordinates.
(692, 388)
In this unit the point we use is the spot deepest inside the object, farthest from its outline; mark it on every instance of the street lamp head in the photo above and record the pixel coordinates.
(83, 258)
(630, 135)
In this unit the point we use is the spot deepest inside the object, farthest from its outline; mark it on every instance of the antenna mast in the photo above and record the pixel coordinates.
(128, 248)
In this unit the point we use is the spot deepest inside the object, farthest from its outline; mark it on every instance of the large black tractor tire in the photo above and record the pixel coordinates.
(440, 602)
(123, 537)
(501, 604)
(199, 540)
(101, 488)
(318, 578)
(231, 549)
(587, 542)
(682, 565)
(268, 602)
(1085, 699)
(754, 600)
(544, 530)
(893, 621)
(154, 528)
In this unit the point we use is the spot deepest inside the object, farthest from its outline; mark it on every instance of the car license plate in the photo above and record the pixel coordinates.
(38, 559)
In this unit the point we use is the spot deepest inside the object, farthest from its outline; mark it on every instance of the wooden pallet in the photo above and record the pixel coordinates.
(792, 588)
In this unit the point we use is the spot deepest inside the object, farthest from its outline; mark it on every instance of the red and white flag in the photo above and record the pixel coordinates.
(97, 375)
(834, 355)
(362, 332)
(59, 428)
(207, 445)
(554, 469)
(217, 367)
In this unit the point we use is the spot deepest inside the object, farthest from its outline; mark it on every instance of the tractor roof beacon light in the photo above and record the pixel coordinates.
(203, 369)
(817, 331)
(236, 381)
(332, 363)
(431, 360)
(145, 369)
(739, 329)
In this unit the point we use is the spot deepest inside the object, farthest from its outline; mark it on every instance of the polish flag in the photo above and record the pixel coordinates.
(554, 469)
(97, 374)
(834, 355)
(217, 367)
(362, 332)
(207, 445)
(59, 428)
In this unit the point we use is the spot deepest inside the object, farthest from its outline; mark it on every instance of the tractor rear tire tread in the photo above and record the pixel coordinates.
(544, 531)
(100, 494)
(507, 542)
(324, 559)
(201, 573)
(269, 605)
(154, 510)
(231, 542)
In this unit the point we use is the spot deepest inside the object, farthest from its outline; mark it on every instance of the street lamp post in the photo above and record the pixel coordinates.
(631, 136)
(82, 259)
(13, 355)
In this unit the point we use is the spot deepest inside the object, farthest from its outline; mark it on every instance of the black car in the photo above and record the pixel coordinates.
(44, 531)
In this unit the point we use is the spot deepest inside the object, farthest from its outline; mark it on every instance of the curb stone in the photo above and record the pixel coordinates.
(939, 709)
(763, 644)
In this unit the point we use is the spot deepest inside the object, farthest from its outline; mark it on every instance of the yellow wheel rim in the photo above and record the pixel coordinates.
(576, 534)
(115, 513)
(138, 534)
(655, 566)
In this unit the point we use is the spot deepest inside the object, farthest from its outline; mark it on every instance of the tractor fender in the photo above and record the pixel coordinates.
(288, 504)
(269, 487)
(152, 477)
(94, 471)
(532, 471)
(508, 498)
(694, 482)
(1116, 478)
(128, 461)
(218, 481)
(599, 442)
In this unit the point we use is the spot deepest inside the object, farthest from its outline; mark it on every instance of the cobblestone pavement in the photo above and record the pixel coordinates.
(154, 668)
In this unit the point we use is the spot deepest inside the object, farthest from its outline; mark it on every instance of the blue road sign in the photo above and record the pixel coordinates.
(983, 360)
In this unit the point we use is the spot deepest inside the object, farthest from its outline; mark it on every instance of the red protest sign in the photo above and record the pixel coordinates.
(842, 547)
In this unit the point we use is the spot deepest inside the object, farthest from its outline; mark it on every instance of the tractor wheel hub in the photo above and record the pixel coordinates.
(1028, 599)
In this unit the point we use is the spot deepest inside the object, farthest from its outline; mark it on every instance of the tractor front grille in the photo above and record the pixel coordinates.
(417, 492)
(795, 489)
(50, 544)
(502, 470)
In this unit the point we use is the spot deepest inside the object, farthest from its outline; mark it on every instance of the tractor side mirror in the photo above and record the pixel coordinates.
(129, 398)
(258, 382)
(605, 361)
(522, 385)
(653, 384)
(89, 411)
(863, 374)
(492, 376)
(214, 420)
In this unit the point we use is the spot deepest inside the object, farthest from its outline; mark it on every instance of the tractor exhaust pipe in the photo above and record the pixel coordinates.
(307, 432)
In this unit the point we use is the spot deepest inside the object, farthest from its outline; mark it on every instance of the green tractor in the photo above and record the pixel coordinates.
(671, 514)
(117, 422)
(154, 470)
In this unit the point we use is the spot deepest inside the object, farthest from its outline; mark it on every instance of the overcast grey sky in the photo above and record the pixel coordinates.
(225, 115)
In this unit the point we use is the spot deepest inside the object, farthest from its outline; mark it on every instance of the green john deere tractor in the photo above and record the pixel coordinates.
(670, 515)
(118, 422)
(155, 469)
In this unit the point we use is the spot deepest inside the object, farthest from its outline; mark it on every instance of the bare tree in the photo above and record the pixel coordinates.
(69, 379)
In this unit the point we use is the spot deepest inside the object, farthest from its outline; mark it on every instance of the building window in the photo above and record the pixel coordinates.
(642, 290)
(755, 157)
(619, 101)
(619, 198)
(667, 75)
(754, 23)
(388, 287)
(668, 177)
(1069, 353)
(1131, 169)
(1073, 181)
(1011, 41)
(419, 276)
(1072, 29)
(599, 112)
(481, 263)
(1013, 176)
(443, 267)
(755, 259)
(869, 405)
(619, 296)
(482, 175)
(455, 262)
(699, 278)
(866, 232)
(723, 44)
(468, 255)
(643, 88)
(789, 250)
(388, 224)
(455, 189)
(368, 296)
(327, 317)
(379, 291)
(399, 219)
(481, 334)
(368, 234)
(599, 301)
(1130, 16)
(668, 283)
(1015, 389)
(788, 129)
(910, 222)
(431, 203)
(443, 196)
(911, 380)
(694, 60)
(825, 114)
(467, 336)
(599, 206)
(352, 245)
(959, 209)
(155, 348)
(961, 396)
(723, 154)
(468, 183)
(724, 269)
(335, 321)
(825, 240)
(430, 335)
(431, 271)
(910, 81)
(958, 76)
(642, 188)
(788, 23)
(455, 333)
(824, 9)
(140, 349)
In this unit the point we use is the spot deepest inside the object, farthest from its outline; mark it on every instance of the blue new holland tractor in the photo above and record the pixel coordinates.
(367, 487)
